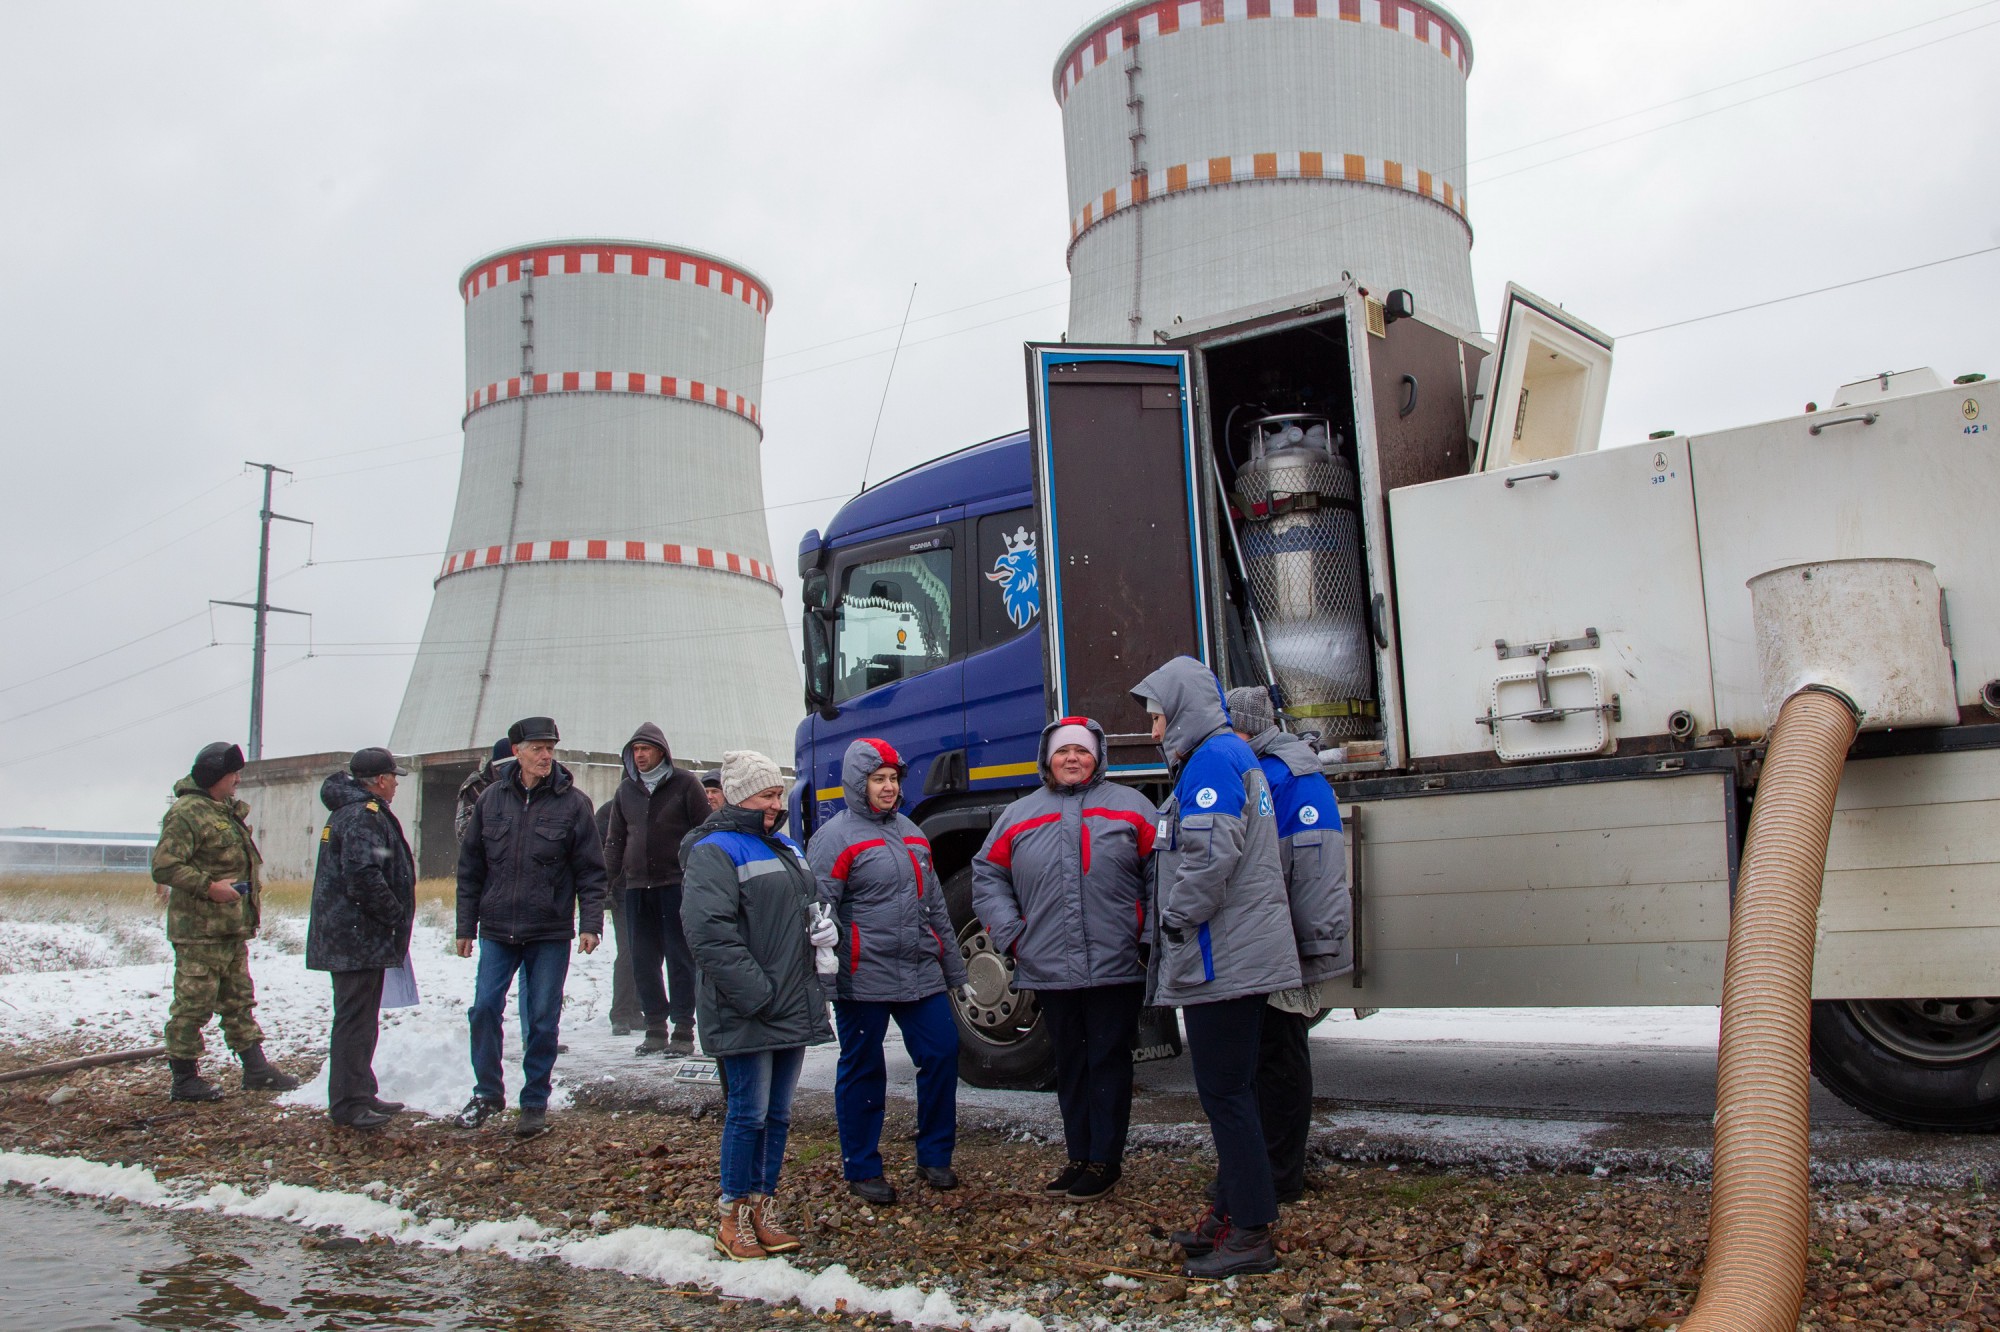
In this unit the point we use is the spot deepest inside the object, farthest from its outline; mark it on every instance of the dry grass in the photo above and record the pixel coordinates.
(42, 896)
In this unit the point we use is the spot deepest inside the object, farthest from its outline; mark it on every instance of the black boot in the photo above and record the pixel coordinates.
(656, 1039)
(260, 1074)
(189, 1085)
(1194, 1243)
(1238, 1250)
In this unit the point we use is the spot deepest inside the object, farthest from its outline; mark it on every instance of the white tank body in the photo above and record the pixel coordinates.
(627, 576)
(1223, 153)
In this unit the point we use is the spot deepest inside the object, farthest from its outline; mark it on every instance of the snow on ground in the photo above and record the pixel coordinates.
(1689, 1026)
(673, 1257)
(65, 981)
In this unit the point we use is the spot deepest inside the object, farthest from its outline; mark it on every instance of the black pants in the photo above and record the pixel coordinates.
(350, 1059)
(1223, 1040)
(1285, 1097)
(1092, 1031)
(624, 994)
(653, 921)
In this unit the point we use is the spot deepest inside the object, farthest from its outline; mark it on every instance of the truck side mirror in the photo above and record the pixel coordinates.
(818, 660)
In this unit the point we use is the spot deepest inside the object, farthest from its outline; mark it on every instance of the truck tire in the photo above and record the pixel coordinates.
(1001, 1040)
(1927, 1064)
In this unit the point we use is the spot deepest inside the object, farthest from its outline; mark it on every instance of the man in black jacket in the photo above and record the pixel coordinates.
(654, 808)
(530, 879)
(363, 901)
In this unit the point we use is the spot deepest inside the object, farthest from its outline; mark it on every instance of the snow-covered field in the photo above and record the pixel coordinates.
(107, 976)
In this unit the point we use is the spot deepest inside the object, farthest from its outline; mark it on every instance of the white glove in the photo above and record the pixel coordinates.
(822, 933)
(966, 998)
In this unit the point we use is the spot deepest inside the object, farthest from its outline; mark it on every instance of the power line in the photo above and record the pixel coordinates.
(1734, 83)
(1816, 291)
(108, 684)
(95, 656)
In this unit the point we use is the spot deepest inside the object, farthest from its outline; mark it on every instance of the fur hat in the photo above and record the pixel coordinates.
(215, 762)
(1250, 709)
(745, 772)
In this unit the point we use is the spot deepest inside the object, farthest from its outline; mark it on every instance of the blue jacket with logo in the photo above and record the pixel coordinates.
(1313, 852)
(1222, 920)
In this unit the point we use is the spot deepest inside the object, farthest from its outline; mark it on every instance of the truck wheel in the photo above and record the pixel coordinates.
(1926, 1064)
(1001, 1040)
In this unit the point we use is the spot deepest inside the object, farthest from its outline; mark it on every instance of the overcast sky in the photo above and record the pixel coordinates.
(233, 232)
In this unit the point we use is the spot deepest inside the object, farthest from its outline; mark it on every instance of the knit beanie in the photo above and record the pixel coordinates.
(1072, 734)
(1250, 709)
(745, 772)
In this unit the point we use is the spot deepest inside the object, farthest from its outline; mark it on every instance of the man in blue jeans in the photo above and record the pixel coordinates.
(530, 879)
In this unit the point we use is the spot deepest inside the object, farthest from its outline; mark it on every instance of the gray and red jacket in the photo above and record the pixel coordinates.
(1061, 881)
(874, 869)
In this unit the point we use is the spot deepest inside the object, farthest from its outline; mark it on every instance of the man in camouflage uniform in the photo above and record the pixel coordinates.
(205, 852)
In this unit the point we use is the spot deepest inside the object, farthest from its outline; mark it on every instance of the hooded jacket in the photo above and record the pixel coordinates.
(530, 866)
(642, 843)
(1313, 851)
(1222, 923)
(364, 894)
(1060, 884)
(874, 869)
(745, 905)
(469, 791)
(203, 841)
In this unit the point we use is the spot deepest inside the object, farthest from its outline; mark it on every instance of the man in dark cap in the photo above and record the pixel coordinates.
(207, 865)
(711, 784)
(363, 902)
(530, 879)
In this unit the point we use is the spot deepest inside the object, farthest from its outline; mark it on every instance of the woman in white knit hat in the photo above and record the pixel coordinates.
(746, 903)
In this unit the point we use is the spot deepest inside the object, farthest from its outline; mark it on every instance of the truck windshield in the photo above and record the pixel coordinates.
(893, 621)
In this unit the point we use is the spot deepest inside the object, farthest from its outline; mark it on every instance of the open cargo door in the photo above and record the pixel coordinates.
(1121, 498)
(1546, 397)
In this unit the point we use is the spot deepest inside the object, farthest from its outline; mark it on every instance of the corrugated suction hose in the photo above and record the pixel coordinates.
(1760, 1206)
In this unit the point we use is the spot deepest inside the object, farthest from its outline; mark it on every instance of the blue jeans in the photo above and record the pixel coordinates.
(544, 966)
(759, 1118)
(862, 1085)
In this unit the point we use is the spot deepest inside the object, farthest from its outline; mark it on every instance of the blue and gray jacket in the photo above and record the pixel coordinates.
(1313, 851)
(1222, 925)
(746, 901)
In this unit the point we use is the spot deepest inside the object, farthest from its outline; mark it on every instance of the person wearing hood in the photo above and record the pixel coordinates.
(747, 901)
(654, 808)
(490, 770)
(625, 1017)
(897, 957)
(364, 900)
(1060, 886)
(1314, 854)
(208, 868)
(1222, 944)
(530, 879)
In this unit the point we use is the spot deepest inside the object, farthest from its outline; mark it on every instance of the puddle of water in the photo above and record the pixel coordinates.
(75, 1267)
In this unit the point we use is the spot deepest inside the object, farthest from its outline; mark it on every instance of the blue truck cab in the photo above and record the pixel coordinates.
(922, 606)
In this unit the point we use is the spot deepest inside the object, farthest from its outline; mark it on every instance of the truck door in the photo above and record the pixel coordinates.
(897, 643)
(1548, 384)
(1123, 504)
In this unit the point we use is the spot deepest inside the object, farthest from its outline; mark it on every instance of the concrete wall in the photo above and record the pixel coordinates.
(286, 815)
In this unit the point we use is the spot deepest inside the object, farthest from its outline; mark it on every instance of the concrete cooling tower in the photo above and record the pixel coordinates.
(608, 559)
(1223, 153)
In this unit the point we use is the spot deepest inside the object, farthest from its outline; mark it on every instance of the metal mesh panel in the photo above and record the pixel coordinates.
(1302, 550)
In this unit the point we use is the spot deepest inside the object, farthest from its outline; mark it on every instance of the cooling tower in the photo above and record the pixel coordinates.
(1224, 153)
(608, 560)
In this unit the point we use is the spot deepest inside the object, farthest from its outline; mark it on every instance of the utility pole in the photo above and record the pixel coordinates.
(262, 608)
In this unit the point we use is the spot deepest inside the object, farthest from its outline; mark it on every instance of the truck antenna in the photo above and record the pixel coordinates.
(886, 381)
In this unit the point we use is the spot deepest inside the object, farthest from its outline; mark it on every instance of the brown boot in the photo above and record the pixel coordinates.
(771, 1237)
(736, 1236)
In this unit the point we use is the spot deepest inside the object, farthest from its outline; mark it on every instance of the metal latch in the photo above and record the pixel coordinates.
(1613, 709)
(1542, 652)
